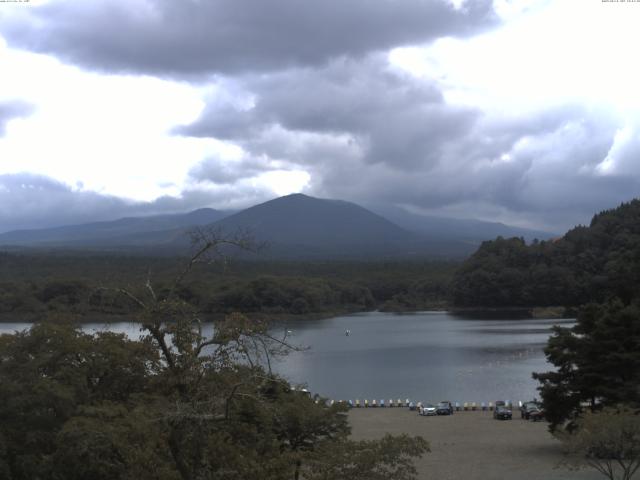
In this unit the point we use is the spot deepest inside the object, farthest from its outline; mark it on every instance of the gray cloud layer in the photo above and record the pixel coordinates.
(371, 134)
(29, 201)
(36, 201)
(386, 116)
(222, 172)
(168, 37)
(11, 110)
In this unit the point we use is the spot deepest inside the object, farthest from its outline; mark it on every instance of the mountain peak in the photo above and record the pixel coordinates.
(295, 195)
(321, 224)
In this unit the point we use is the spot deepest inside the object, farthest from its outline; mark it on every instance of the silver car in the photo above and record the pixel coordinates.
(428, 410)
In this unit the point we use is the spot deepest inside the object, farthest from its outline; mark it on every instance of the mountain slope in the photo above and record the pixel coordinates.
(301, 225)
(125, 231)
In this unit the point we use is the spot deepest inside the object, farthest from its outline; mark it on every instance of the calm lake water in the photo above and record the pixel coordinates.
(426, 356)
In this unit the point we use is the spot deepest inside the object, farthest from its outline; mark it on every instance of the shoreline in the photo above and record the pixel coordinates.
(555, 312)
(480, 313)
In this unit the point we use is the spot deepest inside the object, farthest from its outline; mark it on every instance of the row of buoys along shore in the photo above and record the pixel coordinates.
(458, 407)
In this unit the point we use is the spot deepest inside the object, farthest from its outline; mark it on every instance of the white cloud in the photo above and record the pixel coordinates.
(107, 131)
(547, 54)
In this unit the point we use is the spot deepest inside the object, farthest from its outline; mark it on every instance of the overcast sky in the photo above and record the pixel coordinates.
(520, 111)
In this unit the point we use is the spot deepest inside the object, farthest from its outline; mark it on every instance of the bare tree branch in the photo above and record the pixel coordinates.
(208, 242)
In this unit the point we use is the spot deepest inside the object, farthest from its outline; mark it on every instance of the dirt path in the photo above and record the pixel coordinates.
(473, 446)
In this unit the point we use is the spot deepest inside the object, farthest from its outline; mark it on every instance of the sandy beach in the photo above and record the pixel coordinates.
(473, 446)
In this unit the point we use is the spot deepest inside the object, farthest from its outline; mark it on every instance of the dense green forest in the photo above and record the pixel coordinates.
(588, 264)
(33, 284)
(172, 405)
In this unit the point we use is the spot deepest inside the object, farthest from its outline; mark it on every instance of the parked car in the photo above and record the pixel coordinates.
(537, 414)
(444, 408)
(428, 410)
(528, 408)
(502, 413)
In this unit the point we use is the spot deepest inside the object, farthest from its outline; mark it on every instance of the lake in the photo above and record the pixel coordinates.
(426, 356)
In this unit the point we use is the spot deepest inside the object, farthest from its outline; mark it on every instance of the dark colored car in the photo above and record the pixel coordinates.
(502, 413)
(536, 415)
(444, 408)
(529, 408)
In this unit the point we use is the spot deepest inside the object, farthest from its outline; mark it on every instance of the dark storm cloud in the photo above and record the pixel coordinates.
(371, 134)
(226, 172)
(542, 170)
(168, 37)
(513, 171)
(333, 98)
(384, 115)
(12, 109)
(36, 201)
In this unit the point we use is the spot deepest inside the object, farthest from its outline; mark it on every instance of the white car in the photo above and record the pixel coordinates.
(428, 410)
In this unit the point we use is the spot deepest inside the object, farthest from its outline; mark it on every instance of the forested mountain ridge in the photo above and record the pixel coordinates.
(588, 264)
(302, 220)
(295, 226)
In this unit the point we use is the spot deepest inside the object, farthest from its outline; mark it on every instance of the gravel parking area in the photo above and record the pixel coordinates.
(472, 445)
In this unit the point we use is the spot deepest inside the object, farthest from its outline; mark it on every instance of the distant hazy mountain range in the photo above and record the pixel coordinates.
(294, 226)
(467, 230)
(156, 229)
